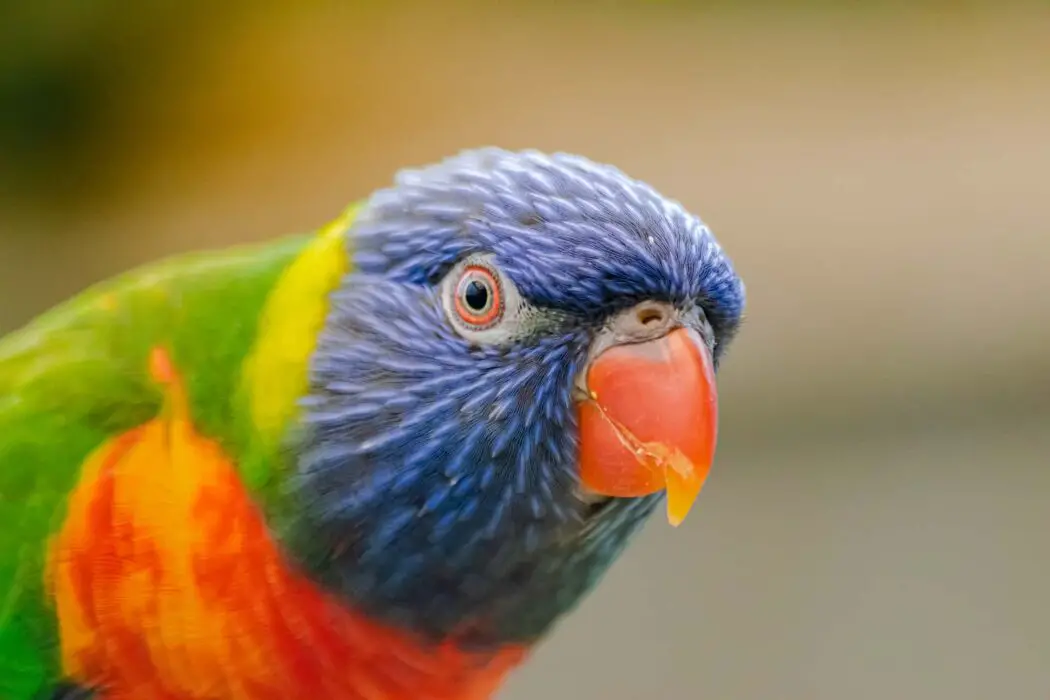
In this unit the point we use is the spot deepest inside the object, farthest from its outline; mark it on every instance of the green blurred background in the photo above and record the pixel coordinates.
(878, 523)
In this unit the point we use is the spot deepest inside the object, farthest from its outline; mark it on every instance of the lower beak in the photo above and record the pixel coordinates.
(650, 421)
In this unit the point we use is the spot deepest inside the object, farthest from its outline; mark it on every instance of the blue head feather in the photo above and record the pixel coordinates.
(436, 478)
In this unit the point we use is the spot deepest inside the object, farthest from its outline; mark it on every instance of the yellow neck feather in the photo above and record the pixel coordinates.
(275, 373)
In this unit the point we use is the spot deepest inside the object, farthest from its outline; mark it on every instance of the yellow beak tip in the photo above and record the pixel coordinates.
(682, 494)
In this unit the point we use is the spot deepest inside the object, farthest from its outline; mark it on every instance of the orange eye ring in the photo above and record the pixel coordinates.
(479, 297)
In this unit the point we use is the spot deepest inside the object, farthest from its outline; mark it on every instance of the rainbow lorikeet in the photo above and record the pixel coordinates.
(375, 462)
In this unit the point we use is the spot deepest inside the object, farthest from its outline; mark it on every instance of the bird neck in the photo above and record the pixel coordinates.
(480, 586)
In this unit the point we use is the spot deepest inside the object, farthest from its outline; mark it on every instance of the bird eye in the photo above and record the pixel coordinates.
(479, 297)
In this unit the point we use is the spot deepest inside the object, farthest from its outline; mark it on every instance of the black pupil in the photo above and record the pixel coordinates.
(476, 295)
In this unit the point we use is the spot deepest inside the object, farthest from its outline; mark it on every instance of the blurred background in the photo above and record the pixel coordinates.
(877, 524)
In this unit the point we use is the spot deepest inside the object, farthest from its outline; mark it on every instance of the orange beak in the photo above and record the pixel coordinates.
(651, 420)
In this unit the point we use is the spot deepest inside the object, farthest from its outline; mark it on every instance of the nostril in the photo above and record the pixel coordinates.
(650, 316)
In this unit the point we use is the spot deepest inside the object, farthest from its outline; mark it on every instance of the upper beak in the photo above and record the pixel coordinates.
(650, 420)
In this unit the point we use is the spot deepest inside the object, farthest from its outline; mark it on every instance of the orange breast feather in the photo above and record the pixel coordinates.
(167, 585)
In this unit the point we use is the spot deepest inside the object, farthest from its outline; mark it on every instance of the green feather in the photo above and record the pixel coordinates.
(77, 376)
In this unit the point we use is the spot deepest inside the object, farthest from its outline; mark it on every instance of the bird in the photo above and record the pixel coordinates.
(377, 461)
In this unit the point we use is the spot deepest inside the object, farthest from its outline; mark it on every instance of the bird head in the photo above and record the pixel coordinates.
(519, 367)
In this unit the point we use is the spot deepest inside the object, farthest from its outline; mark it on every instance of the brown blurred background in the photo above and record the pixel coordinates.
(878, 524)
